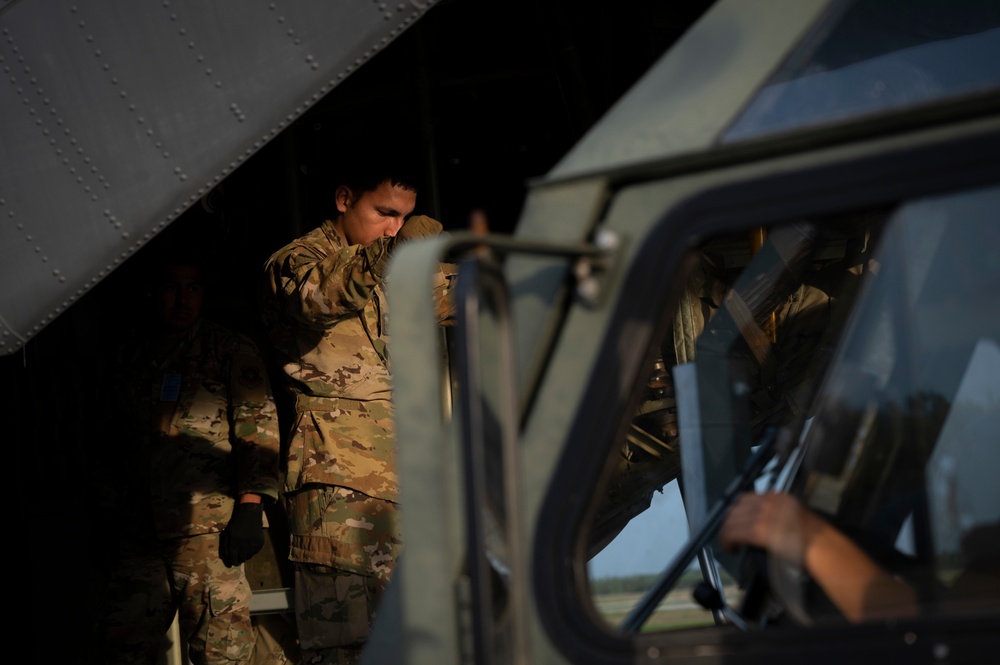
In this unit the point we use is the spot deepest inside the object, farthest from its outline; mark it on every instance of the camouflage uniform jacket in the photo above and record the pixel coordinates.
(326, 315)
(214, 438)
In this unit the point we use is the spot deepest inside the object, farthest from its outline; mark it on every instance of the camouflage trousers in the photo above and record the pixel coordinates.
(344, 548)
(184, 575)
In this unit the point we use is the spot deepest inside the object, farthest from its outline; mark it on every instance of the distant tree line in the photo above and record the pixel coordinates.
(641, 583)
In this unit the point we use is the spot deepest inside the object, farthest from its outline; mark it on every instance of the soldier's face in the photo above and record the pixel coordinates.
(380, 212)
(179, 297)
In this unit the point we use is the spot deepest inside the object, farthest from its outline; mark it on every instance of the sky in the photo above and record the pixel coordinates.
(649, 542)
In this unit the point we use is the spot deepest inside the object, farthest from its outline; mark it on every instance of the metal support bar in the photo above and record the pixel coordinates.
(666, 581)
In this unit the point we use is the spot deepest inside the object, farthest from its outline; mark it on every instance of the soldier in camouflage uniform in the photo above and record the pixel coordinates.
(324, 306)
(197, 455)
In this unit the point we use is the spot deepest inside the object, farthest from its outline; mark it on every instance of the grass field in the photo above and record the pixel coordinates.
(677, 610)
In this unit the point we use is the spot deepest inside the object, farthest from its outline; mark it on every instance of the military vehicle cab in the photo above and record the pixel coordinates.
(773, 266)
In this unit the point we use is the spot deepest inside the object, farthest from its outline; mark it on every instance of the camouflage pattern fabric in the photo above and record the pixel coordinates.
(364, 434)
(214, 602)
(345, 545)
(275, 641)
(325, 311)
(168, 481)
(335, 611)
(340, 528)
(188, 459)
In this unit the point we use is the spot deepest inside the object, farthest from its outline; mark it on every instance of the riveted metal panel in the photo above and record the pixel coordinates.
(117, 117)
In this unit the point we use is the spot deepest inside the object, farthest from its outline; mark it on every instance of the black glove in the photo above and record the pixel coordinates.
(244, 535)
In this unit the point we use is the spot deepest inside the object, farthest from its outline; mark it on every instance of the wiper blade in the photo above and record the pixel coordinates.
(668, 578)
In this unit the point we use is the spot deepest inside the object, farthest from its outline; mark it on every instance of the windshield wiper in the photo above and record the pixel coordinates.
(668, 578)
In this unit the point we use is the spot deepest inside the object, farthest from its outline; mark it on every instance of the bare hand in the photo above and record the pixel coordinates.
(775, 522)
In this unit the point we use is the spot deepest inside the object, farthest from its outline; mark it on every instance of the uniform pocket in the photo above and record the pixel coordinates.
(230, 634)
(333, 609)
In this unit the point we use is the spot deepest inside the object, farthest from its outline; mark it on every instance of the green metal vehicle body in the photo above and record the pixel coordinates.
(508, 461)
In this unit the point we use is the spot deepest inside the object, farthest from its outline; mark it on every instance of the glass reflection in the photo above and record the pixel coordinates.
(871, 56)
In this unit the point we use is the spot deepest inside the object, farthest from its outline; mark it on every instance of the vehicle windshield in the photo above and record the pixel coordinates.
(871, 56)
(871, 342)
